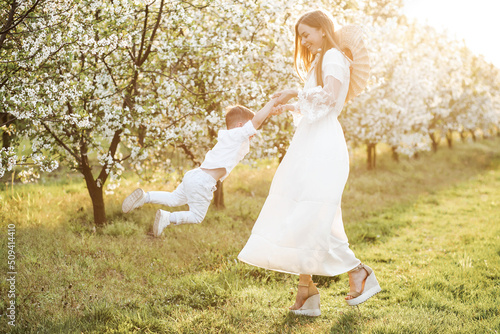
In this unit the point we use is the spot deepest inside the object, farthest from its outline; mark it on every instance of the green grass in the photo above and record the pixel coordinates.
(430, 228)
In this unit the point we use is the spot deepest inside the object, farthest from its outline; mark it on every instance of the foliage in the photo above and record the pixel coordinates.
(101, 86)
(423, 85)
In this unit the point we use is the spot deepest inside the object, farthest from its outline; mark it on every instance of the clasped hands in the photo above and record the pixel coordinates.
(281, 104)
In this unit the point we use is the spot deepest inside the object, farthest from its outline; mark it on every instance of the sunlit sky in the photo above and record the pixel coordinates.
(475, 21)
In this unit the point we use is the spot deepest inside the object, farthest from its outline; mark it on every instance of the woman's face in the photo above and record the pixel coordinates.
(311, 38)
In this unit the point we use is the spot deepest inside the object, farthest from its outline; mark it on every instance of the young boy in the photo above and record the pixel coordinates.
(198, 185)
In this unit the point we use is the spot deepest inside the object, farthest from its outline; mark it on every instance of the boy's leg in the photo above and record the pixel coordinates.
(162, 220)
(195, 215)
(199, 188)
(174, 198)
(133, 201)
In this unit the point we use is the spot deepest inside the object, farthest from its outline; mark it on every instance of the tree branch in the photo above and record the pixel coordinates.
(62, 143)
(110, 72)
(151, 39)
(21, 18)
(23, 59)
(195, 6)
(122, 160)
(177, 81)
(6, 27)
(143, 38)
(112, 151)
(9, 121)
(189, 153)
(8, 76)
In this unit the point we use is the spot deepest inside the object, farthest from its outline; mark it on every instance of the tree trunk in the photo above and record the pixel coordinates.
(462, 135)
(5, 140)
(96, 195)
(94, 186)
(219, 196)
(435, 141)
(449, 139)
(142, 134)
(473, 135)
(371, 155)
(368, 156)
(5, 118)
(281, 154)
(395, 155)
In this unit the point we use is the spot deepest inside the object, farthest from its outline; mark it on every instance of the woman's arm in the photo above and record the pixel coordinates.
(317, 100)
(314, 103)
(278, 110)
(285, 95)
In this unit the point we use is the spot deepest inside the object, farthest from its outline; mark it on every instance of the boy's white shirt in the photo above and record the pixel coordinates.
(232, 146)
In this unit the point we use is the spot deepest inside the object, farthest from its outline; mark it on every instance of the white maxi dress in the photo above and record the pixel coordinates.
(300, 228)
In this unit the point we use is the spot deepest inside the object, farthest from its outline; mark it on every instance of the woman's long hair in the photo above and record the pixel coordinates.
(303, 57)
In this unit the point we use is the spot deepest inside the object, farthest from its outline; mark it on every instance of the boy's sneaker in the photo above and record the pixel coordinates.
(134, 200)
(162, 220)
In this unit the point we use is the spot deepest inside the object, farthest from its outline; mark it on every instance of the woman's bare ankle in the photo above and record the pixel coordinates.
(313, 290)
(306, 288)
(304, 280)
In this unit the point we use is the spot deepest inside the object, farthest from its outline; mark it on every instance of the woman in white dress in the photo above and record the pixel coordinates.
(300, 229)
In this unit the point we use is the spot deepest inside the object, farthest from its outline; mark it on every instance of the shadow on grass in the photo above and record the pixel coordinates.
(292, 323)
(346, 322)
(107, 318)
(349, 322)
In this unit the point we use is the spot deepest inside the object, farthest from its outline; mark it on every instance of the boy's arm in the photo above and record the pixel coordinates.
(263, 113)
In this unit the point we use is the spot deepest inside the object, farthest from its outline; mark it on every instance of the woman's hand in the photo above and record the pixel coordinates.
(285, 95)
(278, 110)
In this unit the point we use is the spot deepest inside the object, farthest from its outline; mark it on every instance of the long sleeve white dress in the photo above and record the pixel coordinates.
(300, 228)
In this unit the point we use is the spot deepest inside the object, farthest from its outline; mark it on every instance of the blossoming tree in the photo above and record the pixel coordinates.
(98, 85)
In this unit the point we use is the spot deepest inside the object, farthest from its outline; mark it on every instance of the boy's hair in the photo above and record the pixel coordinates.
(236, 114)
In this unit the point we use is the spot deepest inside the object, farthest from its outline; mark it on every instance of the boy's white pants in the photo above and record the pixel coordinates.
(196, 190)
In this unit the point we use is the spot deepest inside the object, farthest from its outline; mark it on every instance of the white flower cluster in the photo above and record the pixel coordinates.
(8, 159)
(423, 86)
(28, 175)
(100, 92)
